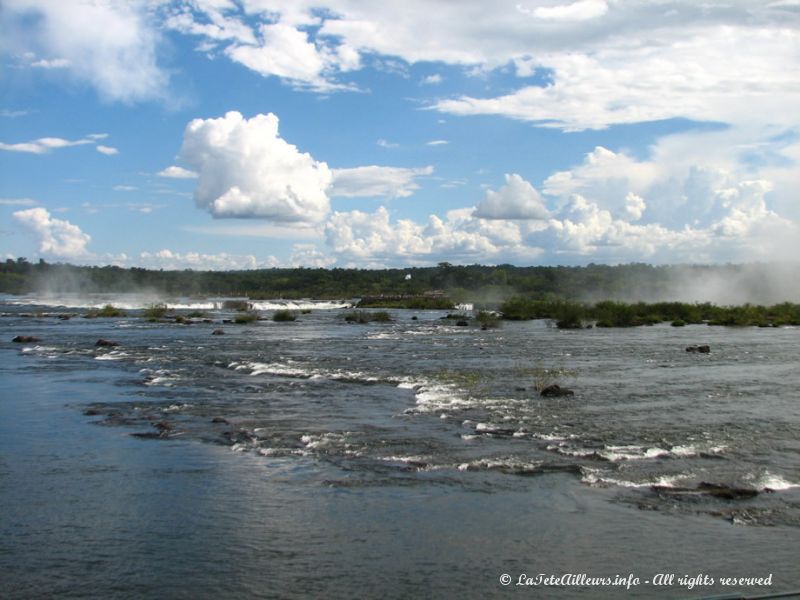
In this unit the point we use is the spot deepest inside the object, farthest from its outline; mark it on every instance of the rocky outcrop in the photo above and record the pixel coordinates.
(554, 390)
(218, 332)
(26, 339)
(102, 343)
(703, 349)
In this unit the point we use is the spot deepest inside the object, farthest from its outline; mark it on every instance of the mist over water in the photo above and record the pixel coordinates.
(723, 285)
(756, 284)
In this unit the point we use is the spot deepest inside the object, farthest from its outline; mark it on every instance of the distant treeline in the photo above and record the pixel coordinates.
(487, 286)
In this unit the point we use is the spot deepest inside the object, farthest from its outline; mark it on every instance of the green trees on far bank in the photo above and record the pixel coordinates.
(571, 296)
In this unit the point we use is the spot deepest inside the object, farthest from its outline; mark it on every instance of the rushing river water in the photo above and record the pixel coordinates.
(319, 458)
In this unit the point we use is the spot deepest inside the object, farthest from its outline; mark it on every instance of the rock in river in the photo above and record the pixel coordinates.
(703, 349)
(555, 390)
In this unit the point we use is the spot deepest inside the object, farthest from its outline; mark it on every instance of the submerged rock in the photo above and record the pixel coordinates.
(220, 420)
(218, 332)
(714, 490)
(106, 343)
(555, 390)
(147, 435)
(25, 339)
(163, 430)
(703, 349)
(462, 323)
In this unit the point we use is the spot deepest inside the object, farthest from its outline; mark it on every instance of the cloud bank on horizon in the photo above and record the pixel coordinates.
(390, 134)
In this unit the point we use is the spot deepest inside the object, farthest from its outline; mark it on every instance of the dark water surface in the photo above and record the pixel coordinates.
(411, 458)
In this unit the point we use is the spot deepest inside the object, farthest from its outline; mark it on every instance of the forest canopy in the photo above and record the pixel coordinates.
(488, 285)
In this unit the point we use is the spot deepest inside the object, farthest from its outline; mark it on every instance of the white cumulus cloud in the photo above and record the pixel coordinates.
(245, 169)
(171, 260)
(57, 238)
(280, 45)
(692, 200)
(363, 239)
(175, 172)
(517, 199)
(576, 11)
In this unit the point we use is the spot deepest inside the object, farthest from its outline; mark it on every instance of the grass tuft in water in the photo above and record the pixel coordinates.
(107, 311)
(361, 316)
(283, 316)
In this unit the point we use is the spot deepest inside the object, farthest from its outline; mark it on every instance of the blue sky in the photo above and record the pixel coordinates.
(258, 133)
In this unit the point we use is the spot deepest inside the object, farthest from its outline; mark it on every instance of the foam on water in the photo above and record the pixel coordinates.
(615, 454)
(292, 369)
(283, 369)
(159, 377)
(601, 478)
(113, 355)
(769, 481)
(414, 459)
(48, 351)
(142, 301)
(435, 397)
(300, 305)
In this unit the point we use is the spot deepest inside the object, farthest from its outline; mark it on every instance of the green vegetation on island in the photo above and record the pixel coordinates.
(243, 318)
(576, 315)
(108, 311)
(364, 316)
(413, 302)
(155, 312)
(282, 316)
